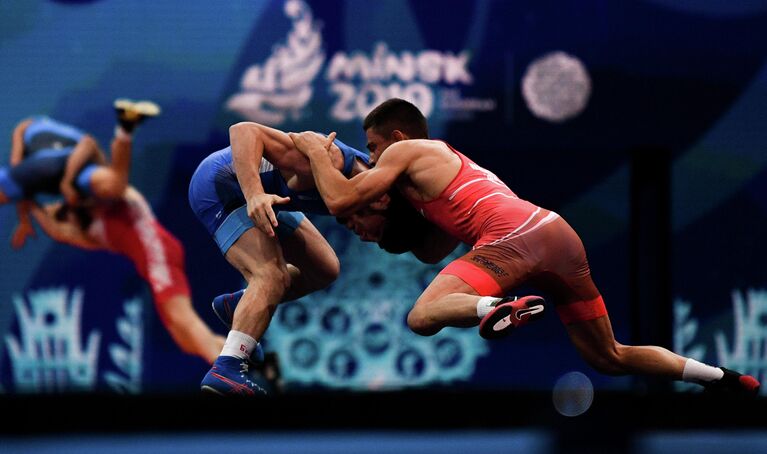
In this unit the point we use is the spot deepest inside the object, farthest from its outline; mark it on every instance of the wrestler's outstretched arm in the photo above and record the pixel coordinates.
(66, 231)
(24, 228)
(17, 142)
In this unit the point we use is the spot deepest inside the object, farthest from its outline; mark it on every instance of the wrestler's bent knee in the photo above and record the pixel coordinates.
(419, 322)
(106, 185)
(606, 361)
(327, 273)
(275, 276)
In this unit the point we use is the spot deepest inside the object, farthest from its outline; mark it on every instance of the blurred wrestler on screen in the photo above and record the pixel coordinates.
(125, 224)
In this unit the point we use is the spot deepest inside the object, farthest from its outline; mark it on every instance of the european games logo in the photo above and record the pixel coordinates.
(52, 353)
(281, 87)
(354, 334)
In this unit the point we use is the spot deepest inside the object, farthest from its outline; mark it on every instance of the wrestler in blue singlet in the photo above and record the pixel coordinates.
(218, 202)
(47, 146)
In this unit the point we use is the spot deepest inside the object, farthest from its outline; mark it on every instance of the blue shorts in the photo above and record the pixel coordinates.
(41, 173)
(218, 202)
(237, 222)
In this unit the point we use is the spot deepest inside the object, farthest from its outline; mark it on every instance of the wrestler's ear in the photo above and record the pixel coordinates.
(382, 203)
(398, 135)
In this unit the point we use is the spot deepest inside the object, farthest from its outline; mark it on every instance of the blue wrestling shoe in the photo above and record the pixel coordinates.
(510, 313)
(231, 376)
(224, 306)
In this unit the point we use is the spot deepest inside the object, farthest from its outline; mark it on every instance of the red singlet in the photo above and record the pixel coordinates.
(128, 227)
(477, 207)
(514, 242)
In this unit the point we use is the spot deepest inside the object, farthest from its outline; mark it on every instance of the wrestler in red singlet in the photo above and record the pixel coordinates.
(128, 227)
(514, 242)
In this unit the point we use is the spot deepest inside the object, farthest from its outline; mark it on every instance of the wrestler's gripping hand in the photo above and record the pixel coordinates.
(261, 211)
(308, 142)
(71, 197)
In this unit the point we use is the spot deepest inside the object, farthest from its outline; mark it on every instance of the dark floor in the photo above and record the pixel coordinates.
(413, 421)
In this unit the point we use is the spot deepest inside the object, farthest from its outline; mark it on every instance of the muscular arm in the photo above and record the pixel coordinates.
(250, 142)
(86, 150)
(67, 232)
(343, 197)
(17, 142)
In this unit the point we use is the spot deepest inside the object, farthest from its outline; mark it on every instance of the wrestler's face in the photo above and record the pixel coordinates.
(367, 223)
(377, 143)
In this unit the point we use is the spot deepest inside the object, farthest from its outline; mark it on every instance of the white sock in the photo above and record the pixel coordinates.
(485, 305)
(239, 345)
(121, 133)
(695, 371)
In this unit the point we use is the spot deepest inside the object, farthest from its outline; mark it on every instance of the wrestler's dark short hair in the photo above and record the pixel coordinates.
(82, 214)
(396, 113)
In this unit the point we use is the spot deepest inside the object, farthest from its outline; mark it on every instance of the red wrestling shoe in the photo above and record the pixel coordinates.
(510, 313)
(733, 383)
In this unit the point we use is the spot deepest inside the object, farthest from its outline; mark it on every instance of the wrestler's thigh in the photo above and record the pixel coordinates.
(565, 271)
(493, 270)
(308, 250)
(256, 254)
(445, 284)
